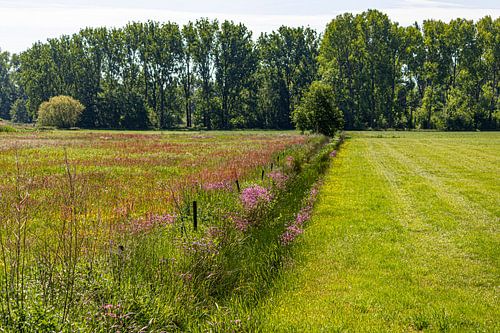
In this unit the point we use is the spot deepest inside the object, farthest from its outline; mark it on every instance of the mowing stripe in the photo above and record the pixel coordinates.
(392, 246)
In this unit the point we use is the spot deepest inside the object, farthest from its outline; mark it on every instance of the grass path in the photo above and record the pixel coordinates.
(405, 237)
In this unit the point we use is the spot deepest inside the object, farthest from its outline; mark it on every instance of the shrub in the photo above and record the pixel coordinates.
(317, 111)
(60, 112)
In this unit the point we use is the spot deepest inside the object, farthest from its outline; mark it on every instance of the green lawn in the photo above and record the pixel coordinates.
(405, 237)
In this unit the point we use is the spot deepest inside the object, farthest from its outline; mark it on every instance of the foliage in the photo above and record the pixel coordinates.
(6, 128)
(60, 112)
(19, 112)
(8, 90)
(387, 76)
(318, 112)
(217, 76)
(288, 66)
(203, 74)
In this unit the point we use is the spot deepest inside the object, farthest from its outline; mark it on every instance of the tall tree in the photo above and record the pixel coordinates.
(288, 59)
(187, 75)
(204, 61)
(7, 89)
(235, 63)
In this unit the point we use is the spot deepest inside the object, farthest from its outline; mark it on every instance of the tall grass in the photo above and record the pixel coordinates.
(83, 269)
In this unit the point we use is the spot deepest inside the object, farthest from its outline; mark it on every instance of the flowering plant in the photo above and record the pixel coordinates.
(254, 196)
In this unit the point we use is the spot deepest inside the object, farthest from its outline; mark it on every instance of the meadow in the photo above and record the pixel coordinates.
(390, 231)
(404, 237)
(143, 231)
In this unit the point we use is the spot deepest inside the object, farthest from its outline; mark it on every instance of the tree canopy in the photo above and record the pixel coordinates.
(317, 111)
(219, 76)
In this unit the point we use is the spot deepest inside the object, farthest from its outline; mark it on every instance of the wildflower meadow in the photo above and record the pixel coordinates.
(134, 232)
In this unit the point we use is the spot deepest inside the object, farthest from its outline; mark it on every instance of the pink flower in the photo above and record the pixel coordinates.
(290, 234)
(241, 223)
(223, 185)
(302, 217)
(278, 178)
(253, 196)
(145, 224)
(333, 154)
(289, 161)
(108, 306)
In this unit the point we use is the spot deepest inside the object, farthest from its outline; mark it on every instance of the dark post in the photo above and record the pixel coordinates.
(195, 215)
(238, 185)
(262, 176)
(272, 166)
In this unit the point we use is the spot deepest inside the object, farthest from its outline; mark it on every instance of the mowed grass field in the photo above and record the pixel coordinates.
(405, 237)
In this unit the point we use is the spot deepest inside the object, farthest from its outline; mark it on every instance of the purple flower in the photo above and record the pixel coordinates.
(253, 196)
(278, 178)
(145, 224)
(333, 154)
(222, 185)
(205, 247)
(289, 161)
(302, 217)
(290, 234)
(240, 223)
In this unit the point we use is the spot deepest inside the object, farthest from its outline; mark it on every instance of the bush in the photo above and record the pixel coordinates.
(60, 112)
(317, 111)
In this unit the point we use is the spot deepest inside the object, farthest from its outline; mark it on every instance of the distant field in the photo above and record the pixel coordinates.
(406, 237)
(130, 172)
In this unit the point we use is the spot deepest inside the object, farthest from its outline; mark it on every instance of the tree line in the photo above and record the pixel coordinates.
(217, 76)
(437, 76)
(160, 75)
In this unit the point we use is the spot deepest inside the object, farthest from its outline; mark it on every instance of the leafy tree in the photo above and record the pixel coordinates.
(7, 89)
(187, 76)
(60, 112)
(488, 36)
(288, 66)
(340, 65)
(152, 74)
(235, 65)
(317, 111)
(19, 112)
(204, 61)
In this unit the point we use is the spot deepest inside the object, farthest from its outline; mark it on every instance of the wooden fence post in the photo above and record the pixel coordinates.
(195, 215)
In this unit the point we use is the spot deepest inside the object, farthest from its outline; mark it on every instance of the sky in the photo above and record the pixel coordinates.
(24, 22)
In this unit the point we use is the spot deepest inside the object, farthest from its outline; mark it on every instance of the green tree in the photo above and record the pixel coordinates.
(488, 35)
(288, 66)
(204, 61)
(317, 111)
(7, 88)
(340, 65)
(235, 65)
(187, 75)
(19, 112)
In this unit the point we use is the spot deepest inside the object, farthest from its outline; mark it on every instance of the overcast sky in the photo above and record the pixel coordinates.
(23, 22)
